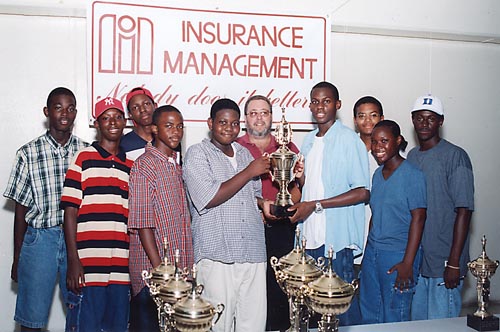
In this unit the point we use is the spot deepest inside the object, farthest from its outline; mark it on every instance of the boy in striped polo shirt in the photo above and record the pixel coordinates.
(95, 203)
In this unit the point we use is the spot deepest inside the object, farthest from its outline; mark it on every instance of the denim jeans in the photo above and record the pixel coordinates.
(143, 313)
(98, 309)
(380, 302)
(343, 265)
(41, 262)
(434, 301)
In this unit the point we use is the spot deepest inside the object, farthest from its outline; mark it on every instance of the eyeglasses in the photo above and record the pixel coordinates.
(262, 114)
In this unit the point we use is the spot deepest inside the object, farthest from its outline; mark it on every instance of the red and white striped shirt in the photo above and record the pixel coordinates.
(97, 185)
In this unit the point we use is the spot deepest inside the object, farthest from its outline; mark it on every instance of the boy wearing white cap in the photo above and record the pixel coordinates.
(95, 203)
(450, 202)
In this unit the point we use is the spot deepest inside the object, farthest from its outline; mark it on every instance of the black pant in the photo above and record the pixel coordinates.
(143, 313)
(280, 237)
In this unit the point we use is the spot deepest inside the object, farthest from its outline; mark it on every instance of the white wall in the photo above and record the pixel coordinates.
(380, 48)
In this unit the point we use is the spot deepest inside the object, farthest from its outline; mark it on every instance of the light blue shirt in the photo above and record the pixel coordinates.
(345, 167)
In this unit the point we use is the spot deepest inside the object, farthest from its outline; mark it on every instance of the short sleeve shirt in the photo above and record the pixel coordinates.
(37, 177)
(345, 167)
(392, 201)
(157, 201)
(232, 232)
(97, 185)
(450, 185)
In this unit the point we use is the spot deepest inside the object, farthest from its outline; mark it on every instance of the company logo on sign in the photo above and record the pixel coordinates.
(125, 45)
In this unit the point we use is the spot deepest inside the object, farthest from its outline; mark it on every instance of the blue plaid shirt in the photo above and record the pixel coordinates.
(232, 232)
(37, 178)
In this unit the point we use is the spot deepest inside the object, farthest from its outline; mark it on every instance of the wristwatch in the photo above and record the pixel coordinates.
(318, 208)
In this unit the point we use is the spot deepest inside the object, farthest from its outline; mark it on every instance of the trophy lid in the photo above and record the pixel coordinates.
(176, 287)
(295, 256)
(194, 307)
(165, 270)
(483, 263)
(283, 131)
(330, 284)
(304, 271)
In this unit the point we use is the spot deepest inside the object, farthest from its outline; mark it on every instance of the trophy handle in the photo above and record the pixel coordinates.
(321, 262)
(355, 284)
(304, 291)
(274, 263)
(218, 312)
(146, 276)
(299, 157)
(199, 289)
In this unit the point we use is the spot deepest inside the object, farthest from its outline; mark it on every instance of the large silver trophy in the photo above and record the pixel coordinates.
(168, 292)
(293, 271)
(482, 268)
(329, 296)
(193, 313)
(180, 306)
(155, 280)
(282, 163)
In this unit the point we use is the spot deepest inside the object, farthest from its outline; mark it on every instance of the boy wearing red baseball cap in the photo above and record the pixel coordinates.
(140, 105)
(95, 203)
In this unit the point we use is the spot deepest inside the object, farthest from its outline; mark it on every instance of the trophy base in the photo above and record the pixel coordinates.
(482, 324)
(281, 211)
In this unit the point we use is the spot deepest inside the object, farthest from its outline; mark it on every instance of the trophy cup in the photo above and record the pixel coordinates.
(290, 259)
(329, 296)
(282, 163)
(155, 280)
(170, 292)
(482, 268)
(193, 313)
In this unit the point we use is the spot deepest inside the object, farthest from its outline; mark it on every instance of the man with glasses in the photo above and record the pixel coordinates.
(279, 232)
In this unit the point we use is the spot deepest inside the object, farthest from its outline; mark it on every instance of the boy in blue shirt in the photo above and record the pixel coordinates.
(334, 189)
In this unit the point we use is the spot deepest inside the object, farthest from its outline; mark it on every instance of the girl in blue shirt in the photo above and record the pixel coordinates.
(392, 257)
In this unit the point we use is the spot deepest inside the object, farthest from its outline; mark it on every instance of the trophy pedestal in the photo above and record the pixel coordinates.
(482, 324)
(281, 211)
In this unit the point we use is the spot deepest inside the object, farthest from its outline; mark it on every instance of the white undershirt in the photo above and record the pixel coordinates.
(314, 229)
(232, 159)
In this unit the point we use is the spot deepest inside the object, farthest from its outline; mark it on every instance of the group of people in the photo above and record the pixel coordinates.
(95, 216)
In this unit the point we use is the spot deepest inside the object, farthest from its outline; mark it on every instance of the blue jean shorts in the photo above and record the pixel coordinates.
(41, 262)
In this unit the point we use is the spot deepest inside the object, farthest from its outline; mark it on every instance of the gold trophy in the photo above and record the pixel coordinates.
(282, 163)
(299, 316)
(291, 279)
(329, 296)
(192, 313)
(155, 280)
(482, 268)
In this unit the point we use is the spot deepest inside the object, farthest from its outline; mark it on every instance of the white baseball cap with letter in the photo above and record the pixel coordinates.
(428, 103)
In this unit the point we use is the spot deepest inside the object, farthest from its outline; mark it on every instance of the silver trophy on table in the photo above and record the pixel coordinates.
(155, 280)
(291, 278)
(282, 163)
(329, 296)
(192, 313)
(483, 268)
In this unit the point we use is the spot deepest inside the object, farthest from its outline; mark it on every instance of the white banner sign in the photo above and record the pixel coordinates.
(191, 57)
